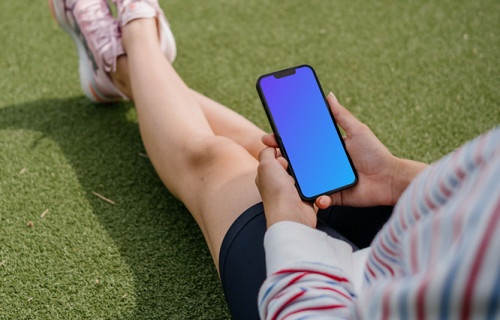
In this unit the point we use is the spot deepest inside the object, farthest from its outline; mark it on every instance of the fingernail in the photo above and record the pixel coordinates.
(333, 96)
(323, 201)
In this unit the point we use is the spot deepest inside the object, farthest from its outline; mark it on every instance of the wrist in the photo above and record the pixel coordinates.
(285, 209)
(403, 174)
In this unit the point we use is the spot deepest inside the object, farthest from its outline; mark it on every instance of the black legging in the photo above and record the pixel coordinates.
(242, 258)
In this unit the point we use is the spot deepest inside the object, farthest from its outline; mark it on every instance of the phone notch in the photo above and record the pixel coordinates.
(284, 73)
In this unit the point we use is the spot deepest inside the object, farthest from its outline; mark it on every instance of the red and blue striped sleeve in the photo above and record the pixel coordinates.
(435, 258)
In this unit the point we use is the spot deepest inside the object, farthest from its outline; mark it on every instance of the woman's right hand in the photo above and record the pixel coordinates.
(381, 176)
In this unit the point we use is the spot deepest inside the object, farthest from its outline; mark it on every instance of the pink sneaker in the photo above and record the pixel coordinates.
(97, 38)
(129, 10)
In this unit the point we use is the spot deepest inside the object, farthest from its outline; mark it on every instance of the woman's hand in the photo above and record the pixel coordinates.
(279, 195)
(381, 176)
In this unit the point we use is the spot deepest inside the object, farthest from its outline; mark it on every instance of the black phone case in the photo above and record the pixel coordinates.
(284, 73)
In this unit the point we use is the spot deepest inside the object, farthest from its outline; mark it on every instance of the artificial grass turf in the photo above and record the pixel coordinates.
(423, 75)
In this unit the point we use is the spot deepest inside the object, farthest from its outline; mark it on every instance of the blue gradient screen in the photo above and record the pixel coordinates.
(307, 131)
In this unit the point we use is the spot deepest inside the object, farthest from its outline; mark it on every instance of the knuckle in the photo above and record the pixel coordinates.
(363, 127)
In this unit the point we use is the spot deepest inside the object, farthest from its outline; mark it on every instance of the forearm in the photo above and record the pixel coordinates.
(404, 172)
(306, 277)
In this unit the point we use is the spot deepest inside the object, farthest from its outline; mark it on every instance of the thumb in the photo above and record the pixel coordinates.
(270, 140)
(345, 119)
(326, 201)
(267, 154)
(323, 202)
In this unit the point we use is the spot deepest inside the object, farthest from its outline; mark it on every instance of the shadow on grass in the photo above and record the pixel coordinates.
(174, 276)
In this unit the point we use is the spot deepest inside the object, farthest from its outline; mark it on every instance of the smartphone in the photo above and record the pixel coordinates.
(306, 132)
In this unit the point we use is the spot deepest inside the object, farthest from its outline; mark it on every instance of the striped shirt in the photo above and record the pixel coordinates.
(436, 257)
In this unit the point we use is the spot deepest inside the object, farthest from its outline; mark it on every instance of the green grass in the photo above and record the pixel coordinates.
(424, 75)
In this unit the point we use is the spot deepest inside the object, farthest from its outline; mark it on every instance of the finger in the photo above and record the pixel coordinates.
(323, 202)
(278, 153)
(283, 162)
(267, 154)
(315, 207)
(269, 140)
(270, 154)
(345, 119)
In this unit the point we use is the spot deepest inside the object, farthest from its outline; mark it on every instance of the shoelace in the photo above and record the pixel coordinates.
(98, 21)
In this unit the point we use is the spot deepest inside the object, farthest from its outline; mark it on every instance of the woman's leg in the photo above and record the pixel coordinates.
(223, 121)
(228, 123)
(212, 175)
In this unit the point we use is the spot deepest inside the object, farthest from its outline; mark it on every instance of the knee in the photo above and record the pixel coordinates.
(212, 152)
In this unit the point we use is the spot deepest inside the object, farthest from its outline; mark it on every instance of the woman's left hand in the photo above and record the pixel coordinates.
(279, 195)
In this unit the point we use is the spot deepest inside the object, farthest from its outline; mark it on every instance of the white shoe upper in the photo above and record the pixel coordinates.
(129, 10)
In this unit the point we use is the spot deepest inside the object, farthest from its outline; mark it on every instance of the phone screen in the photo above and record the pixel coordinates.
(305, 128)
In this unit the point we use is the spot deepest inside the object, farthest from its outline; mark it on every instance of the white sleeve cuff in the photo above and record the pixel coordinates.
(287, 243)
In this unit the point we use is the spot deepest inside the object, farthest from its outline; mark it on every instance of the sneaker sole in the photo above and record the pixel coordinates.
(87, 82)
